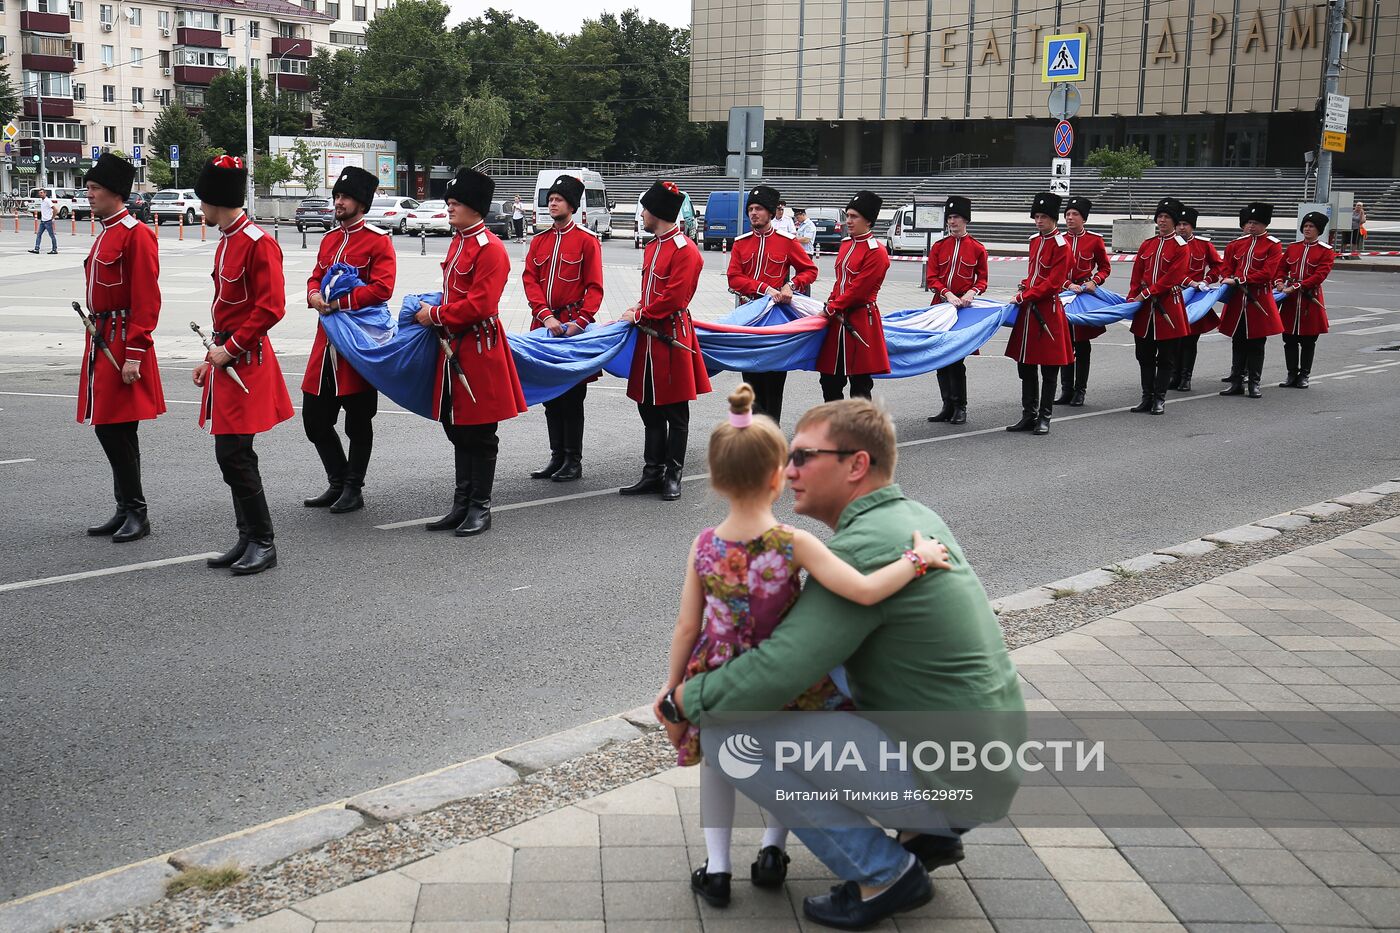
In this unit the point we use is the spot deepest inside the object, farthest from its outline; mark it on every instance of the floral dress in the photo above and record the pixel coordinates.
(748, 587)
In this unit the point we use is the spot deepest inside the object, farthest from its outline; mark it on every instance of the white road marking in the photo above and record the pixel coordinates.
(179, 401)
(19, 460)
(105, 572)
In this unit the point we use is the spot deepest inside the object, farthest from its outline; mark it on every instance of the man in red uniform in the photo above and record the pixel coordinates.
(1202, 272)
(768, 263)
(563, 278)
(123, 297)
(1041, 336)
(854, 347)
(1159, 273)
(330, 383)
(1251, 317)
(1306, 265)
(956, 273)
(1088, 269)
(667, 369)
(476, 386)
(250, 296)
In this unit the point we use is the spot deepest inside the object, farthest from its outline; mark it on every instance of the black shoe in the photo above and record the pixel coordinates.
(571, 471)
(1184, 385)
(650, 482)
(53, 252)
(770, 868)
(556, 461)
(1253, 390)
(1065, 397)
(714, 888)
(934, 851)
(111, 525)
(1290, 383)
(350, 500)
(1027, 422)
(1230, 378)
(230, 557)
(1143, 406)
(1077, 400)
(329, 497)
(34, 251)
(476, 521)
(843, 908)
(1236, 388)
(1042, 425)
(257, 557)
(959, 415)
(135, 527)
(1159, 406)
(1174, 383)
(451, 520)
(671, 483)
(1302, 381)
(944, 414)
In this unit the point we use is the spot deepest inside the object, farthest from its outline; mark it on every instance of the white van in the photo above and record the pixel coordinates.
(595, 212)
(901, 238)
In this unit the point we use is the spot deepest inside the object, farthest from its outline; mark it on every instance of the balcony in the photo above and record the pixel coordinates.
(204, 38)
(197, 74)
(60, 63)
(53, 107)
(291, 48)
(290, 82)
(44, 22)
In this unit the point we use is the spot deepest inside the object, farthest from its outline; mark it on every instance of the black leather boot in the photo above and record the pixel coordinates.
(1067, 379)
(1183, 384)
(653, 453)
(1081, 382)
(572, 470)
(352, 498)
(1047, 404)
(1161, 379)
(261, 553)
(676, 442)
(1042, 422)
(1305, 363)
(945, 389)
(958, 382)
(333, 460)
(135, 526)
(1030, 405)
(1252, 386)
(461, 493)
(112, 524)
(1236, 387)
(556, 428)
(478, 517)
(1146, 373)
(1159, 405)
(1290, 360)
(227, 558)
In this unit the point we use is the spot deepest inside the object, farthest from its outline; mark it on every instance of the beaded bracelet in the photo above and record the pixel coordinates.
(920, 565)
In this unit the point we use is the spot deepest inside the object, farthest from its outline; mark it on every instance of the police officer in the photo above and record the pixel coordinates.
(768, 262)
(123, 297)
(563, 278)
(1088, 269)
(1159, 272)
(854, 347)
(1251, 264)
(667, 372)
(956, 272)
(1041, 335)
(331, 383)
(1306, 265)
(476, 385)
(250, 296)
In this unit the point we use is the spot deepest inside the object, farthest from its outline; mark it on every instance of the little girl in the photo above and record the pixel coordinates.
(742, 578)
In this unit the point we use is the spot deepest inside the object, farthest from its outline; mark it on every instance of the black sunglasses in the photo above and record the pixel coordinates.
(799, 456)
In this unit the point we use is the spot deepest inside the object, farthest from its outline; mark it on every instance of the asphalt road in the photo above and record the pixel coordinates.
(145, 710)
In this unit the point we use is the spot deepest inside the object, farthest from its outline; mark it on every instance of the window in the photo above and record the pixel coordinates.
(309, 5)
(253, 31)
(347, 38)
(109, 93)
(164, 58)
(290, 66)
(163, 19)
(230, 27)
(78, 51)
(80, 92)
(135, 14)
(55, 46)
(287, 30)
(50, 84)
(197, 19)
(333, 9)
(108, 55)
(138, 136)
(359, 15)
(161, 95)
(138, 95)
(75, 10)
(136, 55)
(52, 130)
(203, 58)
(104, 12)
(43, 6)
(190, 96)
(109, 135)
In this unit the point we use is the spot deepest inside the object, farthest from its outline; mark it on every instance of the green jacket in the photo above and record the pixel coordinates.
(933, 646)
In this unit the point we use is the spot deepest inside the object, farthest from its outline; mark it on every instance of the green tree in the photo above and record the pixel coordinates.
(521, 62)
(587, 126)
(332, 90)
(1126, 164)
(306, 166)
(9, 97)
(269, 171)
(223, 118)
(652, 106)
(174, 127)
(481, 123)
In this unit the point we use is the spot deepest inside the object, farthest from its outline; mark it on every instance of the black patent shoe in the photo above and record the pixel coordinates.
(770, 868)
(570, 472)
(477, 520)
(1236, 388)
(1025, 424)
(934, 851)
(556, 460)
(714, 888)
(108, 527)
(1042, 426)
(134, 528)
(326, 498)
(1143, 406)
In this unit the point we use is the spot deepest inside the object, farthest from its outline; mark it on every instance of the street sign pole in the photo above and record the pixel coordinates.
(1336, 12)
(745, 152)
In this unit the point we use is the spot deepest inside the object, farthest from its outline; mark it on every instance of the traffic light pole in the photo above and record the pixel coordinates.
(1336, 15)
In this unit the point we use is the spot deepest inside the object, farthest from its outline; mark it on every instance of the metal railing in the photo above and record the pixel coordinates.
(533, 166)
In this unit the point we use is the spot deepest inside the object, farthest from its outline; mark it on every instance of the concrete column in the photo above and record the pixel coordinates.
(891, 148)
(1395, 153)
(850, 148)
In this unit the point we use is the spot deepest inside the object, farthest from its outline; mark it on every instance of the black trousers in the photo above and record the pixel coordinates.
(123, 449)
(1076, 374)
(239, 464)
(1154, 359)
(1037, 395)
(1298, 353)
(768, 393)
(1247, 356)
(318, 417)
(950, 377)
(667, 433)
(564, 417)
(472, 440)
(1186, 355)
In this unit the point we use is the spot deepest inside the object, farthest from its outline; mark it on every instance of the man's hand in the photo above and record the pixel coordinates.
(1091, 287)
(315, 300)
(424, 316)
(1077, 289)
(572, 328)
(219, 356)
(785, 296)
(966, 300)
(631, 314)
(554, 326)
(952, 299)
(131, 371)
(675, 732)
(201, 374)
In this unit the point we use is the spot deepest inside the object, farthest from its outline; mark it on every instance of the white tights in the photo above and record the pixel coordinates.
(717, 813)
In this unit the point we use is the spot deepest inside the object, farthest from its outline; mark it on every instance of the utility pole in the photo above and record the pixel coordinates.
(43, 157)
(1336, 16)
(248, 114)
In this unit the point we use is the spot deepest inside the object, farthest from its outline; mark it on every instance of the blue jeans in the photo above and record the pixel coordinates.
(39, 236)
(839, 832)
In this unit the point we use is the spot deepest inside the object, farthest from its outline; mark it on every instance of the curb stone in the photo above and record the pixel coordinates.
(268, 844)
(142, 884)
(1244, 534)
(430, 791)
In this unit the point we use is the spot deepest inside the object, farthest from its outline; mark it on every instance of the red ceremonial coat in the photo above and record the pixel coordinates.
(1204, 265)
(1158, 273)
(369, 250)
(563, 276)
(1250, 309)
(1305, 264)
(123, 292)
(1047, 271)
(1088, 263)
(772, 259)
(670, 274)
(861, 264)
(250, 295)
(474, 276)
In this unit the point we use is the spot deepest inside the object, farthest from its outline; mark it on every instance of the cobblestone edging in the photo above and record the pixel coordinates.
(326, 848)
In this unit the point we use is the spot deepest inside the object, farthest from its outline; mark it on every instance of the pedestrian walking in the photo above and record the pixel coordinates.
(43, 210)
(517, 219)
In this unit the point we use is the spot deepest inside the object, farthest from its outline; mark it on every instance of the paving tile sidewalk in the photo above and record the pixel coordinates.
(1317, 629)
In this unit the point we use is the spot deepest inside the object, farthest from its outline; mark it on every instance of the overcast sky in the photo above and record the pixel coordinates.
(554, 16)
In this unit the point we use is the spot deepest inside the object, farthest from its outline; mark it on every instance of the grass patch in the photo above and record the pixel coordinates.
(205, 879)
(1062, 593)
(1124, 573)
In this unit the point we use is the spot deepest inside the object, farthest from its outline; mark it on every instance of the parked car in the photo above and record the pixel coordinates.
(722, 218)
(391, 213)
(686, 219)
(498, 218)
(831, 227)
(138, 205)
(67, 202)
(901, 237)
(595, 211)
(429, 217)
(315, 212)
(176, 204)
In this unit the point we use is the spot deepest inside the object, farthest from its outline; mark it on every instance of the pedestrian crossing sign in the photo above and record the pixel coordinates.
(1063, 58)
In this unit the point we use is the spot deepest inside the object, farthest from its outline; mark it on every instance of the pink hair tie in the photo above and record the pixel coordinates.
(741, 420)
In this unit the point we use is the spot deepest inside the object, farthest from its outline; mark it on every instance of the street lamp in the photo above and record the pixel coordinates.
(39, 98)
